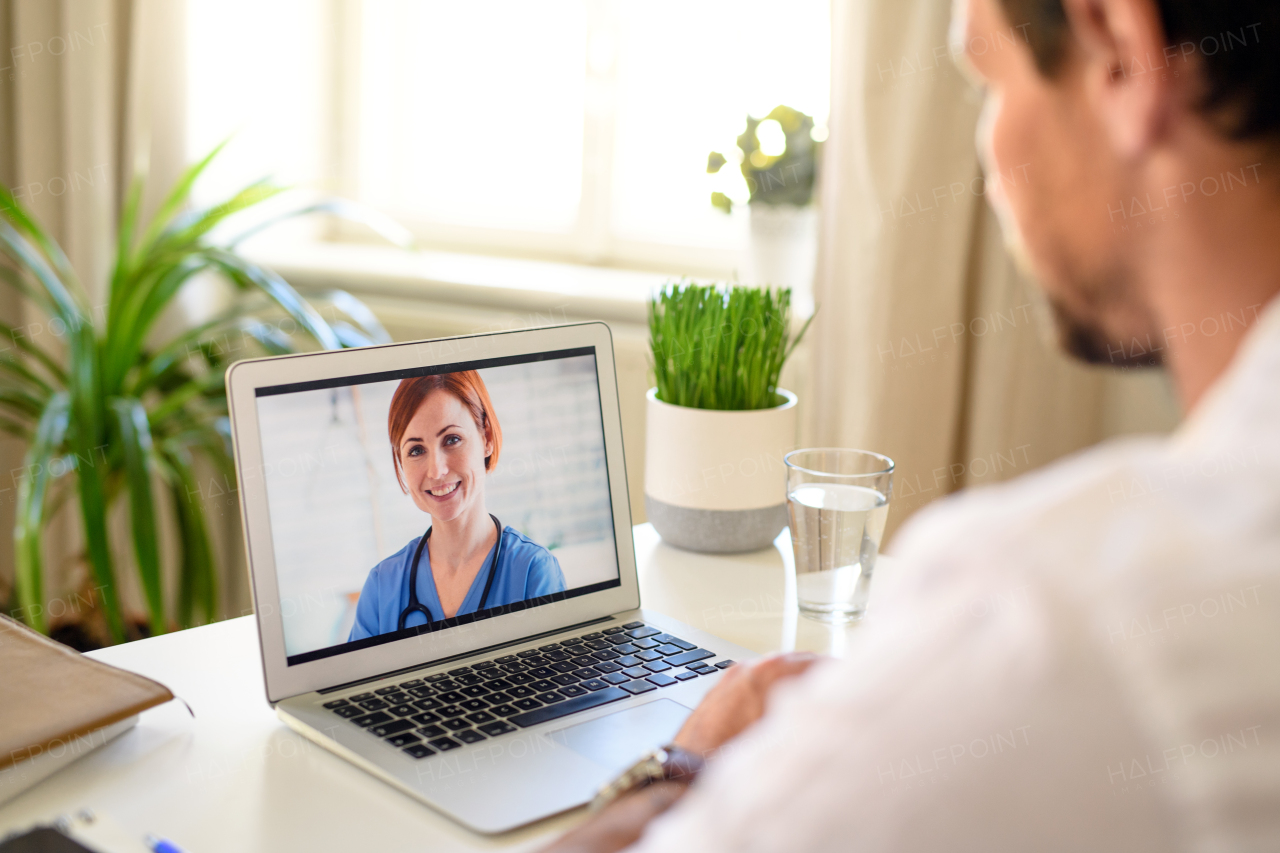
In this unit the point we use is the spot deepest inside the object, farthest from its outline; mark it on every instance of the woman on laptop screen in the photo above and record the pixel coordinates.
(445, 440)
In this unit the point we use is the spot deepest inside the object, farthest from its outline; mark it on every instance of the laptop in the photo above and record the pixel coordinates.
(499, 695)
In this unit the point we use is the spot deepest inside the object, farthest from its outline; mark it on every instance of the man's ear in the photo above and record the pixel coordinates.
(1130, 78)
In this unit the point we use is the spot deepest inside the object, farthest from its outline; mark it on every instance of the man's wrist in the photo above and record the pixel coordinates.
(670, 763)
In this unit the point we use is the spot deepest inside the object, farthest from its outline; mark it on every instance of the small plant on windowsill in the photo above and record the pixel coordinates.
(778, 158)
(718, 424)
(124, 411)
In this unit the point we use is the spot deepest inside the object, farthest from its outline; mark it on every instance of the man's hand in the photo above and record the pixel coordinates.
(738, 700)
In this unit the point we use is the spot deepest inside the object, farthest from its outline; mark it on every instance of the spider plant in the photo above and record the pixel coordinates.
(720, 347)
(122, 408)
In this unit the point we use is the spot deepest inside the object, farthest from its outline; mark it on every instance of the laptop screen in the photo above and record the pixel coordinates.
(386, 493)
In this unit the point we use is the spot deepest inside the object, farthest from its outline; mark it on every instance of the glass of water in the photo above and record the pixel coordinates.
(838, 501)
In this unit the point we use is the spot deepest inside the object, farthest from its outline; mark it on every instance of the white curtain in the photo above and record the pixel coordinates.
(88, 89)
(927, 345)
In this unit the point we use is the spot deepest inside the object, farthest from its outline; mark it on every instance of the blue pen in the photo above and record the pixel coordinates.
(162, 845)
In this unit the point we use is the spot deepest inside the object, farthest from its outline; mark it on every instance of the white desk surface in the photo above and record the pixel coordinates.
(235, 779)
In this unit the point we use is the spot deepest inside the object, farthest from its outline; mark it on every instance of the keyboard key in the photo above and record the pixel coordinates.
(606, 654)
(374, 704)
(453, 697)
(541, 686)
(481, 717)
(470, 678)
(645, 644)
(497, 684)
(637, 687)
(444, 744)
(608, 666)
(564, 680)
(549, 647)
(521, 678)
(626, 649)
(460, 670)
(421, 692)
(542, 672)
(572, 690)
(383, 691)
(469, 736)
(660, 679)
(616, 678)
(360, 697)
(724, 664)
(537, 661)
(569, 706)
(439, 676)
(616, 629)
(699, 666)
(647, 654)
(550, 697)
(445, 685)
(403, 710)
(657, 666)
(667, 639)
(631, 625)
(686, 658)
(505, 659)
(558, 655)
(527, 653)
(419, 750)
(495, 729)
(594, 635)
(668, 649)
(427, 704)
(563, 666)
(450, 711)
(425, 719)
(473, 705)
(398, 698)
(635, 672)
(686, 675)
(517, 666)
(504, 710)
(376, 718)
(484, 664)
(619, 639)
(388, 729)
(586, 672)
(497, 698)
(593, 684)
(597, 645)
(413, 682)
(584, 660)
(336, 703)
(432, 731)
(520, 692)
(403, 739)
(474, 690)
(348, 711)
(455, 724)
(527, 704)
(628, 660)
(640, 633)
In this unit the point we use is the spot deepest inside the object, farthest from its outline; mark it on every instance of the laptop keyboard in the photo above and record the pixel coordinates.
(444, 711)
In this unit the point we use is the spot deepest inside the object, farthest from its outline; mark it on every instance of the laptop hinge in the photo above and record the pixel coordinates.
(463, 656)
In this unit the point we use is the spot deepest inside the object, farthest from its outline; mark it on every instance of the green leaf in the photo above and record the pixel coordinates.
(197, 580)
(176, 199)
(249, 275)
(29, 521)
(135, 441)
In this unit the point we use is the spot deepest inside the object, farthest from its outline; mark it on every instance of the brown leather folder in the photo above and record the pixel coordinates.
(52, 696)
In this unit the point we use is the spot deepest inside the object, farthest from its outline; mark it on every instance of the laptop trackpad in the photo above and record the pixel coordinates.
(616, 741)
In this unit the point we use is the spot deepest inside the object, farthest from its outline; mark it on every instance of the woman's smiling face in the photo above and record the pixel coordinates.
(442, 454)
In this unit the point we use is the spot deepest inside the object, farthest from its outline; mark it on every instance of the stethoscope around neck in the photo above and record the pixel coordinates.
(416, 605)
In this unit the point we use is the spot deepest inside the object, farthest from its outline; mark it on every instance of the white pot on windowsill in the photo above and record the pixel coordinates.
(783, 249)
(714, 480)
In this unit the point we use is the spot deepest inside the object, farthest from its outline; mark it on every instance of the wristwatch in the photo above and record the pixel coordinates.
(669, 763)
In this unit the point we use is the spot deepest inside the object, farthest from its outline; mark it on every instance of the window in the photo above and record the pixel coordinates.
(568, 129)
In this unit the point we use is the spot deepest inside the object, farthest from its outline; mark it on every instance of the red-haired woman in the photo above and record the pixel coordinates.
(445, 439)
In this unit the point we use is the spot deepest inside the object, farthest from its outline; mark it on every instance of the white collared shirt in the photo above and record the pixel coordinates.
(1084, 659)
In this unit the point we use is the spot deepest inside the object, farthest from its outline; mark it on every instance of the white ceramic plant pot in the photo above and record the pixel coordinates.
(714, 481)
(783, 248)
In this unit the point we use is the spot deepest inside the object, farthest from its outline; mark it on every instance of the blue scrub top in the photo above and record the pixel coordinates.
(527, 570)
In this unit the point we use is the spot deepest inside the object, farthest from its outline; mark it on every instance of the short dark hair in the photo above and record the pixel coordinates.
(1237, 41)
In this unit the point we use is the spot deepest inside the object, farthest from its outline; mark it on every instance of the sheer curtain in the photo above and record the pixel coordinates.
(87, 90)
(927, 342)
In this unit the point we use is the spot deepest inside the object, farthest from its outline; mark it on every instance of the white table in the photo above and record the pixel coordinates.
(235, 779)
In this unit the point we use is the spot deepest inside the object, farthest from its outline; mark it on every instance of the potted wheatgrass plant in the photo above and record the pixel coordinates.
(717, 422)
